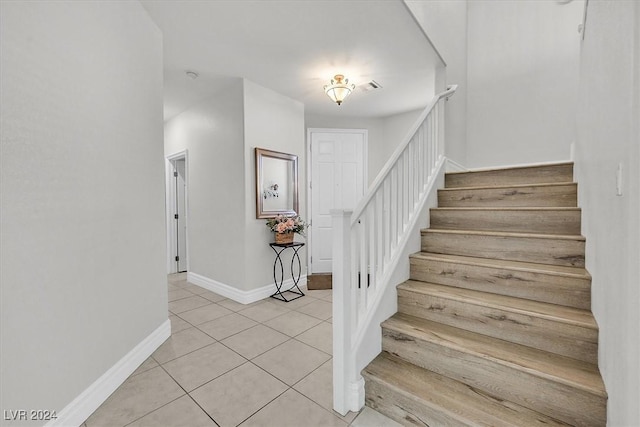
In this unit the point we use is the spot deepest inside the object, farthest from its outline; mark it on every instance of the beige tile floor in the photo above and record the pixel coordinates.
(228, 364)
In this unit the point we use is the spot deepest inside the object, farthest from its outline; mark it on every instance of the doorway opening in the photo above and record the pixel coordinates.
(177, 212)
(337, 171)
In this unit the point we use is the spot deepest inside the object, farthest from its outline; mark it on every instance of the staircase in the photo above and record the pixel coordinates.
(494, 326)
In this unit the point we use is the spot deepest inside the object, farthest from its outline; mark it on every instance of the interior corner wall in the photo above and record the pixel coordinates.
(608, 136)
(522, 68)
(445, 23)
(212, 132)
(274, 122)
(83, 276)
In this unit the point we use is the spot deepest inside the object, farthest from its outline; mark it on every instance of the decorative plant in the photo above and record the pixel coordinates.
(286, 224)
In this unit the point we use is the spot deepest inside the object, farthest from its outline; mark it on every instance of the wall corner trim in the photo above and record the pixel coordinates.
(76, 412)
(453, 166)
(243, 297)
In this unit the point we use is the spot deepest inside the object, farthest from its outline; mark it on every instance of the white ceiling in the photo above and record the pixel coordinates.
(295, 47)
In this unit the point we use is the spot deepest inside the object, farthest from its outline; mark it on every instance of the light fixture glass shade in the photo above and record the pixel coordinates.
(339, 89)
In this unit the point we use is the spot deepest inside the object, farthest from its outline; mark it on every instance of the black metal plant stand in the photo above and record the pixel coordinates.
(278, 248)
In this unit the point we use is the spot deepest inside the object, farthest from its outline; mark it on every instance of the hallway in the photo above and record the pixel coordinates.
(263, 364)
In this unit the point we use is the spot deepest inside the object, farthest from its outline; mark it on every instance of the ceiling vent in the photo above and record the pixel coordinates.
(369, 86)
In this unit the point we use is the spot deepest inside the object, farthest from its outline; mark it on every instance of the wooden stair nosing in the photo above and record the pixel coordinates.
(568, 286)
(560, 330)
(505, 234)
(555, 270)
(558, 249)
(506, 208)
(548, 221)
(546, 173)
(516, 195)
(572, 316)
(506, 186)
(539, 363)
(563, 393)
(570, 390)
(453, 400)
(513, 168)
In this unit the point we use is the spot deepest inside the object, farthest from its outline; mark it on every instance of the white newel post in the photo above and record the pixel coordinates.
(341, 254)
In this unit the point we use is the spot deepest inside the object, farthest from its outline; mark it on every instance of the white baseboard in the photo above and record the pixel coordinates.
(243, 297)
(76, 412)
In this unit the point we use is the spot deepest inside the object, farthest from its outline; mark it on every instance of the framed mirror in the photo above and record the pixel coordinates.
(276, 183)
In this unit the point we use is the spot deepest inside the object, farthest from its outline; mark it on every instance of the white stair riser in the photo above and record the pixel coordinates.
(545, 334)
(555, 289)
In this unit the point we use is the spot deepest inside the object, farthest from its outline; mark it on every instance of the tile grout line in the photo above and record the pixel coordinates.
(289, 338)
(189, 394)
(159, 407)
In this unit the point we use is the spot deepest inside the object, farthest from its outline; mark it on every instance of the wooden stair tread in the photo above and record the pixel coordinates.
(518, 194)
(505, 186)
(577, 272)
(538, 174)
(511, 168)
(561, 369)
(508, 208)
(460, 401)
(557, 313)
(532, 220)
(505, 234)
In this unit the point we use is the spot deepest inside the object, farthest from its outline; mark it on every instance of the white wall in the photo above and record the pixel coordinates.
(227, 244)
(212, 131)
(394, 130)
(274, 122)
(83, 243)
(522, 68)
(445, 23)
(608, 134)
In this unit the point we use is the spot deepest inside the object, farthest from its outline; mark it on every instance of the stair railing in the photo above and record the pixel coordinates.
(368, 243)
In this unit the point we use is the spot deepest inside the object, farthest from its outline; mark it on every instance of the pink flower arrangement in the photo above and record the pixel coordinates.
(286, 224)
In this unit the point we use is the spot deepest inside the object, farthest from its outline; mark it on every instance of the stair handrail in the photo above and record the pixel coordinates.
(368, 242)
(373, 188)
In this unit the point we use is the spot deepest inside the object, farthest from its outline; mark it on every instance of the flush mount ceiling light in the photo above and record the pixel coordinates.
(339, 89)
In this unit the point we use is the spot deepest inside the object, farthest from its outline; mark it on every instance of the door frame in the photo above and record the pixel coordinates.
(170, 187)
(309, 204)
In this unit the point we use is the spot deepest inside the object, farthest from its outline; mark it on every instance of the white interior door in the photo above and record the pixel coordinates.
(337, 182)
(181, 224)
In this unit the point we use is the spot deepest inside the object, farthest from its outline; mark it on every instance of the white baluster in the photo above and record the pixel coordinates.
(362, 268)
(380, 231)
(372, 265)
(387, 218)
